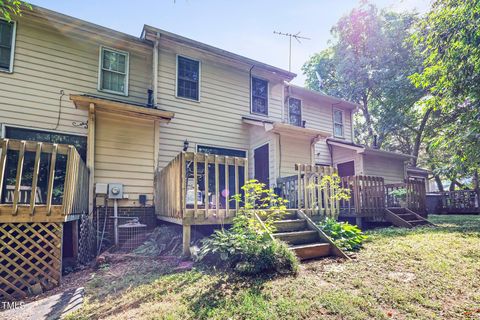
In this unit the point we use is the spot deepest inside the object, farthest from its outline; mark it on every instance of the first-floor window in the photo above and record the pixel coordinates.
(259, 96)
(7, 39)
(338, 123)
(295, 111)
(113, 71)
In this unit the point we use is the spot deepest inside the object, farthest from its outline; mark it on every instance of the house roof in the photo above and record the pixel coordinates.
(150, 33)
(316, 95)
(367, 150)
(127, 108)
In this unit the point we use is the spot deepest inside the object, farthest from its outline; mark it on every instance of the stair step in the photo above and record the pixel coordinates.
(290, 225)
(418, 222)
(298, 237)
(407, 216)
(290, 215)
(398, 210)
(312, 250)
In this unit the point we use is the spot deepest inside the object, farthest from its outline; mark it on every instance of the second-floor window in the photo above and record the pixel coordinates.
(295, 111)
(260, 96)
(7, 40)
(188, 78)
(338, 123)
(113, 71)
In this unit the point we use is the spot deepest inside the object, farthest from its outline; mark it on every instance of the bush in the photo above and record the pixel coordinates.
(247, 247)
(346, 236)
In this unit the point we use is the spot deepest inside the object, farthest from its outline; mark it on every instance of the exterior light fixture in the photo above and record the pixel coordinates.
(185, 145)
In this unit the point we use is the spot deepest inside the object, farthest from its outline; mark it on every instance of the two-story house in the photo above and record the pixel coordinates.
(179, 125)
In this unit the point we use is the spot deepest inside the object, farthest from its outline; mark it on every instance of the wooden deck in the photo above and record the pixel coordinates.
(42, 185)
(53, 187)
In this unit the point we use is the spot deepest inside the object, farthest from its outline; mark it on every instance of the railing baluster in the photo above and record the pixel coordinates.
(205, 180)
(227, 188)
(18, 179)
(237, 187)
(51, 178)
(36, 171)
(3, 163)
(217, 187)
(195, 185)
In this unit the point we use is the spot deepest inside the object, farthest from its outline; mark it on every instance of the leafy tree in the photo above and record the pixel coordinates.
(9, 8)
(369, 62)
(451, 40)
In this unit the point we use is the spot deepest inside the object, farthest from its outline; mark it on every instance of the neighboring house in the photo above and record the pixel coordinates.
(131, 105)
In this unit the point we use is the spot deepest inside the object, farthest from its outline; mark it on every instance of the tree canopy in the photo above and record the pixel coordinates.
(9, 8)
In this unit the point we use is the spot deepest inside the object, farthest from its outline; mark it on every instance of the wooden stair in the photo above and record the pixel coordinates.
(406, 218)
(305, 238)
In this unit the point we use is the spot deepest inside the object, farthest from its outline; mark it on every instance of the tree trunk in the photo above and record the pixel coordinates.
(439, 183)
(418, 137)
(368, 120)
(452, 186)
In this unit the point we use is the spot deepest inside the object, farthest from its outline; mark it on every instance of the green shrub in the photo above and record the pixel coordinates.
(247, 247)
(346, 236)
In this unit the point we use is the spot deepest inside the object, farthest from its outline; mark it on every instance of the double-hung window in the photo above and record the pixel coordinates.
(338, 123)
(295, 112)
(7, 43)
(113, 76)
(188, 78)
(259, 96)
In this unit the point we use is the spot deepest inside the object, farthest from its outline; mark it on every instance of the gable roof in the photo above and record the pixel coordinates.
(150, 33)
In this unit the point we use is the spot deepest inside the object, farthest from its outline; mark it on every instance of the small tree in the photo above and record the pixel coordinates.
(331, 185)
(9, 8)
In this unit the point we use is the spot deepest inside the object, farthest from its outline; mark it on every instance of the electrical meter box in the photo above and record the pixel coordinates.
(115, 191)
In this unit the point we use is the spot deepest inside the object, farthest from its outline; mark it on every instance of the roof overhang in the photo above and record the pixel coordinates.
(370, 151)
(318, 96)
(120, 107)
(286, 129)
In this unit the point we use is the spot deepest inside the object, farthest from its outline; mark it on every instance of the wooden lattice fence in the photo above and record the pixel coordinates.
(30, 255)
(87, 240)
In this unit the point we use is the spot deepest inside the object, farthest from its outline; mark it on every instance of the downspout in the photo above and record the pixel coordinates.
(330, 150)
(312, 149)
(279, 155)
(155, 69)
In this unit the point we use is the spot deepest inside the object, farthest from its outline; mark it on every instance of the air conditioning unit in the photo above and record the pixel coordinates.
(115, 191)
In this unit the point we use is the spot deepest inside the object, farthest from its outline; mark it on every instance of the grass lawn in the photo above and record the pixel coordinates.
(426, 273)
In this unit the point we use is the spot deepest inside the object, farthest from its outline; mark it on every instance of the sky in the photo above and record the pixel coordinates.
(244, 27)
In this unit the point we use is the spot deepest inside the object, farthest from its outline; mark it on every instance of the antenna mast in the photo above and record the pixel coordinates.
(297, 37)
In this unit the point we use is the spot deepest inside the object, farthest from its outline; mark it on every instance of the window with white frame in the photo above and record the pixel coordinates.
(188, 78)
(259, 96)
(113, 71)
(338, 123)
(295, 112)
(7, 43)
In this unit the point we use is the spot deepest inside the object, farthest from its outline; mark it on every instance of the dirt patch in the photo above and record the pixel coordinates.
(402, 276)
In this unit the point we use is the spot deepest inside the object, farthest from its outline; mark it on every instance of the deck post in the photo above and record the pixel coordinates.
(186, 239)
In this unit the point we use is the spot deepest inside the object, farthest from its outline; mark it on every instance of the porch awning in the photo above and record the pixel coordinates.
(120, 107)
(284, 128)
(370, 151)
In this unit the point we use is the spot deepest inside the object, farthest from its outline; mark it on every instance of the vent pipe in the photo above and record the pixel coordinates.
(375, 141)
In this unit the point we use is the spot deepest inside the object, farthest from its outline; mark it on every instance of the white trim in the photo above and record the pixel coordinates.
(251, 96)
(199, 77)
(12, 50)
(100, 69)
(220, 147)
(301, 111)
(4, 126)
(343, 123)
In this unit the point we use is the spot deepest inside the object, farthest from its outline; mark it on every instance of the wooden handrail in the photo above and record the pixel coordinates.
(74, 188)
(179, 183)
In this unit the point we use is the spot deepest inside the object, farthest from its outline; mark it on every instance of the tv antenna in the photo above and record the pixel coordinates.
(297, 37)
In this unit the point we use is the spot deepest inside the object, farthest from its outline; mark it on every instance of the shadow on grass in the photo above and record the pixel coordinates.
(464, 224)
(226, 293)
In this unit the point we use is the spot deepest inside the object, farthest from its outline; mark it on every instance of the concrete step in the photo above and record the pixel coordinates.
(298, 237)
(290, 225)
(311, 250)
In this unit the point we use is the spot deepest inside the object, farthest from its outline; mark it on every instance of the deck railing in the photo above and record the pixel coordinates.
(415, 195)
(458, 201)
(197, 187)
(303, 191)
(41, 181)
(367, 196)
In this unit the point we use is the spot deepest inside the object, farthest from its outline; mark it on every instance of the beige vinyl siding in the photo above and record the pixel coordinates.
(258, 138)
(124, 153)
(216, 119)
(49, 58)
(391, 169)
(342, 155)
(319, 115)
(294, 150)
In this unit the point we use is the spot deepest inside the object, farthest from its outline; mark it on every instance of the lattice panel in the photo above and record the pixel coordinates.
(30, 254)
(86, 243)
